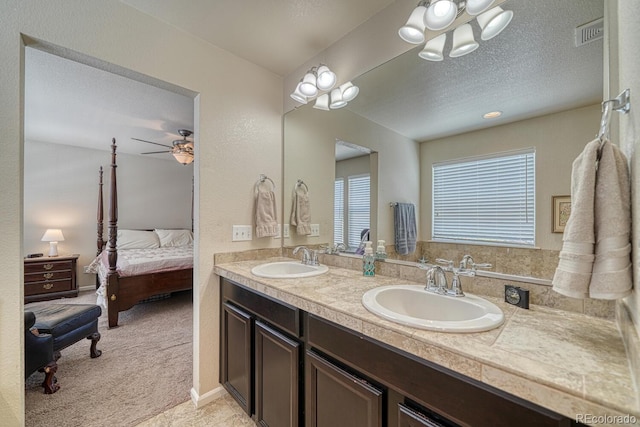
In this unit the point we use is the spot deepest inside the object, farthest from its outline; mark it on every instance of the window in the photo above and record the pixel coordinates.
(351, 209)
(489, 199)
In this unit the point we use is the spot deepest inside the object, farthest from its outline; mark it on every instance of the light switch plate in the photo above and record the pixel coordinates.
(286, 230)
(315, 230)
(241, 233)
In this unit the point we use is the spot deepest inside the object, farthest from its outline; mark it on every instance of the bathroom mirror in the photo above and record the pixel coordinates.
(412, 112)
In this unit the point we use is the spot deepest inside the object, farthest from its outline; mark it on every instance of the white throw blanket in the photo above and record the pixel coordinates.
(595, 257)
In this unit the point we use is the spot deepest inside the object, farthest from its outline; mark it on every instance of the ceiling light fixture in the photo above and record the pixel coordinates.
(322, 79)
(492, 115)
(439, 16)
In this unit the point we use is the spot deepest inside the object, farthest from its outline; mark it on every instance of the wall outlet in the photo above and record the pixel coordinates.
(279, 232)
(241, 233)
(286, 231)
(315, 230)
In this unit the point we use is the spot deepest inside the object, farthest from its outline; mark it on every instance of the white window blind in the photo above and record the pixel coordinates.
(338, 212)
(487, 199)
(359, 207)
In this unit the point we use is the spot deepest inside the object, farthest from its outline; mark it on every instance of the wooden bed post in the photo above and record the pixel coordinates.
(112, 253)
(100, 241)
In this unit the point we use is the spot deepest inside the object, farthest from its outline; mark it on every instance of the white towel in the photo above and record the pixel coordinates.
(595, 256)
(266, 217)
(301, 211)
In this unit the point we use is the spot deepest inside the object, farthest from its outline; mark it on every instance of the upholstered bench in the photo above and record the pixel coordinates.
(68, 324)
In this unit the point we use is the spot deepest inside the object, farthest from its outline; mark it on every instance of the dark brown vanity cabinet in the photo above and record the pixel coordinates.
(260, 355)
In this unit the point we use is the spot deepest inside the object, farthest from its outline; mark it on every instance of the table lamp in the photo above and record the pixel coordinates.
(53, 236)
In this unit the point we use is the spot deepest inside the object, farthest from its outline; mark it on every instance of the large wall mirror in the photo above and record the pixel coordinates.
(411, 113)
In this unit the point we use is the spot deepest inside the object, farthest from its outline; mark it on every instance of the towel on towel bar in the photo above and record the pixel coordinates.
(301, 211)
(266, 217)
(595, 257)
(404, 222)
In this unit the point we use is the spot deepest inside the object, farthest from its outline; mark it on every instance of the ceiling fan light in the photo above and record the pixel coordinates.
(307, 86)
(297, 96)
(440, 14)
(413, 31)
(349, 91)
(322, 102)
(463, 41)
(493, 22)
(183, 157)
(433, 49)
(336, 99)
(476, 7)
(326, 78)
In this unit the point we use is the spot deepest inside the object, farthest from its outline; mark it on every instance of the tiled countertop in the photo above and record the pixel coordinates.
(567, 362)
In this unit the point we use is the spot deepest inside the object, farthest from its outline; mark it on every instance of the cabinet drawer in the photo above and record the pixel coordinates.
(45, 266)
(47, 276)
(36, 288)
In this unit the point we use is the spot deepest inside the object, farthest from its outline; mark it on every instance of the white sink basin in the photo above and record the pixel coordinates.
(411, 305)
(288, 270)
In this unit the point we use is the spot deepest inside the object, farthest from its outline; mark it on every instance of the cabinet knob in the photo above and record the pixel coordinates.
(47, 286)
(48, 275)
(48, 266)
(113, 297)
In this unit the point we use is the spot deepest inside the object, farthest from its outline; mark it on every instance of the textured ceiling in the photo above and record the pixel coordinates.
(275, 34)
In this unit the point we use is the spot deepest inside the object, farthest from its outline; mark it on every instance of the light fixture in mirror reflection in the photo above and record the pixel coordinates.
(410, 110)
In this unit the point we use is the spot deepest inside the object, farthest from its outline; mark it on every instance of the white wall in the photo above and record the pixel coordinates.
(61, 191)
(557, 138)
(238, 135)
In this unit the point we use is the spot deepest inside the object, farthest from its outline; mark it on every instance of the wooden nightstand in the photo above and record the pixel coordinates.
(48, 278)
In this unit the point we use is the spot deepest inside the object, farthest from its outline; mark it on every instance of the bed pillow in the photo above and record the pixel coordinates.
(137, 239)
(174, 237)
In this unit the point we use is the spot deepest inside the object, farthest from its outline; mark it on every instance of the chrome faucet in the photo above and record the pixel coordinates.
(309, 256)
(466, 268)
(436, 280)
(335, 249)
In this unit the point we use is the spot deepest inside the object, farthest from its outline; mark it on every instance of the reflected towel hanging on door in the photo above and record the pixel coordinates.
(301, 210)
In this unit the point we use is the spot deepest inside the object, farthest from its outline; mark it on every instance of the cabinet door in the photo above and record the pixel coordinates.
(407, 417)
(235, 355)
(277, 365)
(335, 397)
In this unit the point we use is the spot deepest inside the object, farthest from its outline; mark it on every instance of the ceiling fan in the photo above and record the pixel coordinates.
(182, 149)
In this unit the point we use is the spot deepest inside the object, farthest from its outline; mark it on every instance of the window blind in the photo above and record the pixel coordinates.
(487, 199)
(359, 207)
(338, 212)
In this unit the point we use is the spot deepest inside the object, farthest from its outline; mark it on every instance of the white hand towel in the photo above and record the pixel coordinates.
(301, 211)
(595, 257)
(266, 217)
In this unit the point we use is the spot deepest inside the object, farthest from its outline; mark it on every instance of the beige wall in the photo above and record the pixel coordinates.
(557, 138)
(309, 154)
(152, 193)
(238, 135)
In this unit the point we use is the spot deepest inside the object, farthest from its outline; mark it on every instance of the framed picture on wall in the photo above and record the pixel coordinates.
(561, 212)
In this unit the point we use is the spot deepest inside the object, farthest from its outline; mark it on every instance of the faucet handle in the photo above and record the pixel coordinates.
(447, 263)
(456, 287)
(481, 266)
(313, 257)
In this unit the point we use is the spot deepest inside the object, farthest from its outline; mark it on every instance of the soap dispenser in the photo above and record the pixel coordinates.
(368, 261)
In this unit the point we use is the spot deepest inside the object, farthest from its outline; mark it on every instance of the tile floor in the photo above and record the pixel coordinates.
(224, 412)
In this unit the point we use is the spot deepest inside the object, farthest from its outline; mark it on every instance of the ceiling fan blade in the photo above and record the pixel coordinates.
(150, 142)
(157, 152)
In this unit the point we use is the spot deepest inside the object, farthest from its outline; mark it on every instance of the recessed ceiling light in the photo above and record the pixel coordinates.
(492, 114)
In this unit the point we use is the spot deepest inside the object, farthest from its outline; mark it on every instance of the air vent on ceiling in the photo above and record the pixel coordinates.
(589, 32)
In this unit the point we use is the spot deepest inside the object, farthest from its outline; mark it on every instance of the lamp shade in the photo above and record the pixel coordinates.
(440, 14)
(493, 22)
(433, 49)
(326, 78)
(463, 41)
(322, 102)
(349, 91)
(413, 30)
(476, 7)
(296, 95)
(308, 85)
(336, 99)
(53, 235)
(183, 157)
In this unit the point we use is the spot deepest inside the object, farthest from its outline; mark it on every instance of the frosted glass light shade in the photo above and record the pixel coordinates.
(297, 96)
(308, 85)
(493, 22)
(433, 49)
(349, 91)
(476, 7)
(463, 41)
(440, 14)
(336, 99)
(326, 78)
(322, 102)
(413, 30)
(183, 157)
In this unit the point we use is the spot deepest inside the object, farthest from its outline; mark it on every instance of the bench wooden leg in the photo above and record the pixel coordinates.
(94, 337)
(50, 385)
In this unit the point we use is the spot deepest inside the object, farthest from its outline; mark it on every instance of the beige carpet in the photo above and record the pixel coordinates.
(145, 369)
